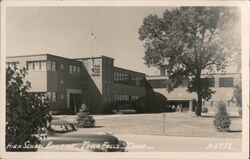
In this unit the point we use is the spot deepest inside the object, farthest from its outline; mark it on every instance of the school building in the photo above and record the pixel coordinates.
(98, 83)
(70, 82)
(222, 83)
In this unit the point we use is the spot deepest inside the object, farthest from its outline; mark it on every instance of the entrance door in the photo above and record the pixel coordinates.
(75, 103)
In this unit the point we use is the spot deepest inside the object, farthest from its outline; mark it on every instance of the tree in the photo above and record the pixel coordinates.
(84, 119)
(26, 112)
(222, 120)
(187, 42)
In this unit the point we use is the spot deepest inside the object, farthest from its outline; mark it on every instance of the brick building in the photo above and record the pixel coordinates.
(97, 82)
(70, 82)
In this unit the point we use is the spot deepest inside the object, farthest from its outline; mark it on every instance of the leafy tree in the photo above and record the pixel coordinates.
(187, 42)
(26, 112)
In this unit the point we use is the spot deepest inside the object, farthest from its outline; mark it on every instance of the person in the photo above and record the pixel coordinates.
(173, 108)
(178, 108)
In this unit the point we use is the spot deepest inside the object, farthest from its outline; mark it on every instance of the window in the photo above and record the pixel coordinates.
(62, 66)
(226, 82)
(51, 96)
(121, 98)
(78, 70)
(12, 64)
(43, 65)
(134, 97)
(51, 65)
(74, 70)
(30, 65)
(36, 65)
(125, 78)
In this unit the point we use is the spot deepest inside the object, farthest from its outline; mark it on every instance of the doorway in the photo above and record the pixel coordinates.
(75, 102)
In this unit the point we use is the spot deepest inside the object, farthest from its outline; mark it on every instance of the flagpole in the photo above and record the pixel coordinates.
(91, 47)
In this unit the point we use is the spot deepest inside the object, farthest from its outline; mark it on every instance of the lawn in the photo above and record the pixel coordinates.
(177, 124)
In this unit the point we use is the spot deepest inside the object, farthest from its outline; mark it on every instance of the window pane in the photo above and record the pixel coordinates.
(53, 65)
(49, 96)
(37, 67)
(43, 65)
(48, 65)
(53, 98)
(30, 66)
(78, 70)
(70, 69)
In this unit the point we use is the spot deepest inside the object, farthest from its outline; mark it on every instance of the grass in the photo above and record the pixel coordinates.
(177, 124)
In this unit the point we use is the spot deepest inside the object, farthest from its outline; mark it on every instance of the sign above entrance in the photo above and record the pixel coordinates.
(95, 70)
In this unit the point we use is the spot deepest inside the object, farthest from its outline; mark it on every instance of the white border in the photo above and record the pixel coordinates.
(187, 155)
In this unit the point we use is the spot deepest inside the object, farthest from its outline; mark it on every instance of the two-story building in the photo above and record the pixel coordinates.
(70, 82)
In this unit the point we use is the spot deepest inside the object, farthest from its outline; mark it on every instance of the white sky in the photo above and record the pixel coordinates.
(65, 31)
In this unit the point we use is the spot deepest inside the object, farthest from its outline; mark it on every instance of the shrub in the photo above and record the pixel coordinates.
(152, 103)
(26, 113)
(222, 120)
(84, 119)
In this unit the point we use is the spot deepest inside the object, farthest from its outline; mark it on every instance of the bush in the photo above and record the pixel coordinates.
(222, 120)
(26, 113)
(152, 103)
(84, 119)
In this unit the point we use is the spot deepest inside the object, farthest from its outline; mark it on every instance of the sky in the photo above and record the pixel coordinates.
(65, 31)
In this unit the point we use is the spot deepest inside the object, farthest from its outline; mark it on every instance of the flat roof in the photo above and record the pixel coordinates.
(129, 70)
(86, 58)
(32, 55)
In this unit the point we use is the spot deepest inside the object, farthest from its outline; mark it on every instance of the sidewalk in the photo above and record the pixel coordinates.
(151, 143)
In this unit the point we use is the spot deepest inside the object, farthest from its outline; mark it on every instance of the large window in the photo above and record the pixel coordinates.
(125, 78)
(121, 98)
(226, 82)
(41, 65)
(52, 96)
(74, 70)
